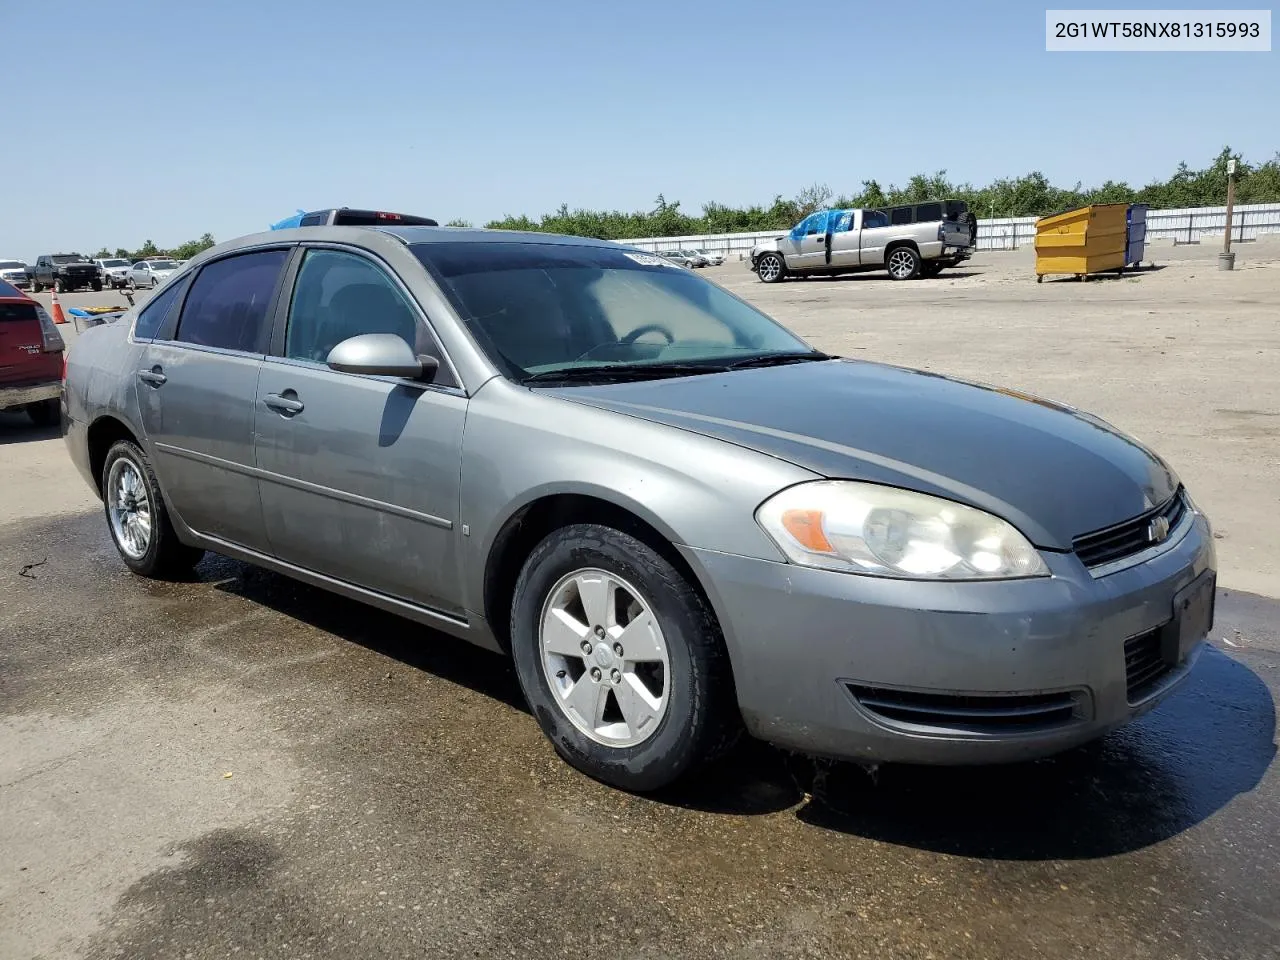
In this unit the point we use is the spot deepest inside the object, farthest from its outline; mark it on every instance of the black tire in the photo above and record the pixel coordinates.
(166, 557)
(35, 287)
(931, 269)
(905, 261)
(701, 721)
(97, 286)
(59, 286)
(132, 284)
(776, 272)
(45, 413)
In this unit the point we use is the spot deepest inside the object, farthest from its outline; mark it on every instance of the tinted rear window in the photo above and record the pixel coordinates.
(928, 211)
(17, 312)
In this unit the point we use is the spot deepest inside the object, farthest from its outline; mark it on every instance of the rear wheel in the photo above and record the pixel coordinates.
(620, 659)
(45, 413)
(137, 518)
(903, 263)
(771, 268)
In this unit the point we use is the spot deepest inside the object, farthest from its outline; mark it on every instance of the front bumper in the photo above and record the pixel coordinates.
(807, 645)
(12, 397)
(21, 281)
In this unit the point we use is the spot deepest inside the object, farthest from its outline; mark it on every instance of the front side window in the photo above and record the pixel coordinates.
(540, 308)
(340, 295)
(229, 300)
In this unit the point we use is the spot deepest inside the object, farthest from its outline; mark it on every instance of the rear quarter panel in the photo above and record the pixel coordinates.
(102, 367)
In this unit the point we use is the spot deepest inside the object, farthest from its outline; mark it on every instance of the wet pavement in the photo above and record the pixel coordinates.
(245, 766)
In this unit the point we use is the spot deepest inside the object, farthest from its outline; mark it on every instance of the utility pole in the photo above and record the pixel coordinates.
(1227, 259)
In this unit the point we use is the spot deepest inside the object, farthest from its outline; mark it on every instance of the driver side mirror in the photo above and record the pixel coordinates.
(381, 355)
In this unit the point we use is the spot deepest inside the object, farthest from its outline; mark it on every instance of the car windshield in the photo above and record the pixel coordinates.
(163, 265)
(115, 263)
(538, 308)
(67, 258)
(11, 264)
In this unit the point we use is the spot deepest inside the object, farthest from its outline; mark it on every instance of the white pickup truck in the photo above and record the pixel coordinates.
(848, 241)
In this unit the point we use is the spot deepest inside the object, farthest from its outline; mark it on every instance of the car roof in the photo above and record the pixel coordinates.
(9, 292)
(480, 235)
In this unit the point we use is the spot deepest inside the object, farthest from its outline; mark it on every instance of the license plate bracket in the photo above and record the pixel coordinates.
(1193, 612)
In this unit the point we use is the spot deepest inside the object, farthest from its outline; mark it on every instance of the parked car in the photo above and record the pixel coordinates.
(14, 272)
(711, 259)
(678, 518)
(832, 242)
(150, 273)
(114, 270)
(64, 272)
(678, 257)
(31, 352)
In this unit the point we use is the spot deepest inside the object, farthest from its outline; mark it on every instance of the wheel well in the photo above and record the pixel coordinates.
(103, 432)
(527, 528)
(894, 245)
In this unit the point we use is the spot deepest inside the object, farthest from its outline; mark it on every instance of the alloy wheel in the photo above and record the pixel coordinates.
(604, 657)
(129, 507)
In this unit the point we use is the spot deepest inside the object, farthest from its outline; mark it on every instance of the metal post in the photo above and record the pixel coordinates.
(1227, 259)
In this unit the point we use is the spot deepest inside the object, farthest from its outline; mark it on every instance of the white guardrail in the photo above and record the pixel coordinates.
(1186, 225)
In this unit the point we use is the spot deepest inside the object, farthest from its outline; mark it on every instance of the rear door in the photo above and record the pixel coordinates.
(360, 474)
(22, 356)
(873, 236)
(197, 384)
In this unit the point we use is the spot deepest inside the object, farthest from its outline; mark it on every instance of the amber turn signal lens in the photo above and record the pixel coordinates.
(806, 527)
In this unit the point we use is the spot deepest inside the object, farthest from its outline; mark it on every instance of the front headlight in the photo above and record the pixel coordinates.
(888, 532)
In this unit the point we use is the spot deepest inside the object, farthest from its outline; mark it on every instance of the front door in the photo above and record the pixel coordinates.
(360, 473)
(844, 238)
(196, 386)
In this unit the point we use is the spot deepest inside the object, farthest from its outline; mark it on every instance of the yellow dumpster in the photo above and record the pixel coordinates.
(1079, 242)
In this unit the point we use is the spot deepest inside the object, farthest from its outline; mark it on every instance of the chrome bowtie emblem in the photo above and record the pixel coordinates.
(1158, 529)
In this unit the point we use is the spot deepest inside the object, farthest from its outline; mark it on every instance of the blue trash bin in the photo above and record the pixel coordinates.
(1135, 233)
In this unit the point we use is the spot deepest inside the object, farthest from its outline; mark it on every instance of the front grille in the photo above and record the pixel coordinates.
(1132, 536)
(970, 713)
(1144, 663)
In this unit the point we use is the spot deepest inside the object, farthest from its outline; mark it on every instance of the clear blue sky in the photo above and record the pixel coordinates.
(229, 115)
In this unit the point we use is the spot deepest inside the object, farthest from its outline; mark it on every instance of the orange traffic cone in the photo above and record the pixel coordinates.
(58, 315)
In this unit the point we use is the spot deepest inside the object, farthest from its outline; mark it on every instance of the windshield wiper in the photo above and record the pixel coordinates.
(623, 371)
(777, 359)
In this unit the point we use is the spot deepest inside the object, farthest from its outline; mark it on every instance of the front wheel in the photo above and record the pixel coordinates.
(903, 264)
(137, 517)
(97, 286)
(59, 286)
(36, 287)
(620, 659)
(771, 268)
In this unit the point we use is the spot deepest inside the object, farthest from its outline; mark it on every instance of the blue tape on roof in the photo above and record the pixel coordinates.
(288, 222)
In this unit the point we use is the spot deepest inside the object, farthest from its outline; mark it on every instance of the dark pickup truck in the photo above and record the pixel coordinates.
(64, 272)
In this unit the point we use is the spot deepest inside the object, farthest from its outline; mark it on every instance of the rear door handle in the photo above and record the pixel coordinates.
(286, 405)
(154, 377)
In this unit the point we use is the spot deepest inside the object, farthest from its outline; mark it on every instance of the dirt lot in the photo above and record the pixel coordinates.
(242, 766)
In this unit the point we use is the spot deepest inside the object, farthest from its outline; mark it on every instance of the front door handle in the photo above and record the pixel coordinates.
(282, 404)
(154, 377)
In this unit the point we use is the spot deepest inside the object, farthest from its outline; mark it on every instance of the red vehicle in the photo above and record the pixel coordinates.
(31, 358)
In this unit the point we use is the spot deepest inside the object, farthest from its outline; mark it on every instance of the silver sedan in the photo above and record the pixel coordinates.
(681, 521)
(150, 273)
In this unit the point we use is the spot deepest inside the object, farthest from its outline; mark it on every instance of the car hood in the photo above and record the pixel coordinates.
(1052, 471)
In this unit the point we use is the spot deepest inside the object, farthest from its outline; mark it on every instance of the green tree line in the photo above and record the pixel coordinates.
(1029, 195)
(184, 251)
